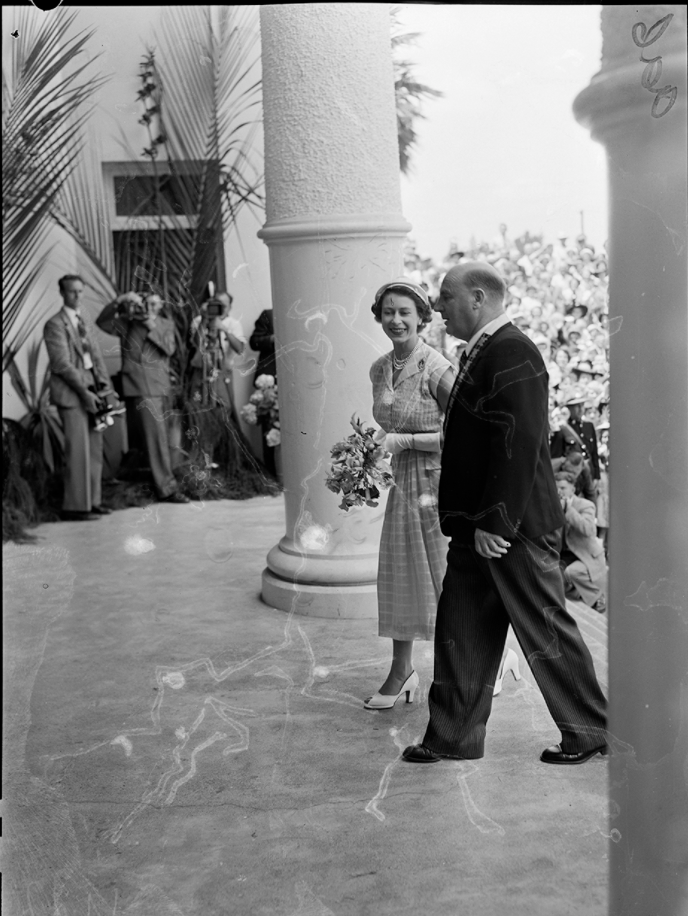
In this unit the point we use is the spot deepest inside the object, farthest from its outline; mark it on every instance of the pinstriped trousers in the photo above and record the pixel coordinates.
(480, 598)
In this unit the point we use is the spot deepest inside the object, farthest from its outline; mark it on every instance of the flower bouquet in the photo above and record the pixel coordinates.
(263, 407)
(358, 469)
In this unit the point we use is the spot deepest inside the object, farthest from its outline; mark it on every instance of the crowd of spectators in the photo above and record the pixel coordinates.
(557, 295)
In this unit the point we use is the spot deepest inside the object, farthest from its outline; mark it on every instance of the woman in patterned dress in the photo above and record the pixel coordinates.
(411, 387)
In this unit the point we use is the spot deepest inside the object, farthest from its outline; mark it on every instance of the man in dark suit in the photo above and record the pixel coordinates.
(77, 376)
(148, 341)
(498, 503)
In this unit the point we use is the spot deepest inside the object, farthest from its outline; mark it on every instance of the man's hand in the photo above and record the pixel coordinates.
(490, 546)
(90, 401)
(237, 345)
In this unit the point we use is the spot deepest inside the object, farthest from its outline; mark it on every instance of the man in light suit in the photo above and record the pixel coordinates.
(77, 372)
(499, 505)
(148, 341)
(581, 552)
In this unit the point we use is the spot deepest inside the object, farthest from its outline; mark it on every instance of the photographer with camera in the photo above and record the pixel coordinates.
(80, 388)
(215, 338)
(581, 556)
(148, 341)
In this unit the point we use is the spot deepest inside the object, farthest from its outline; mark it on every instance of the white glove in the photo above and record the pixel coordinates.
(426, 442)
(398, 442)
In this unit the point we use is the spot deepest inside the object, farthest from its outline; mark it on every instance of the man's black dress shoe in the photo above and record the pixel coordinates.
(555, 754)
(67, 515)
(101, 510)
(417, 753)
(175, 498)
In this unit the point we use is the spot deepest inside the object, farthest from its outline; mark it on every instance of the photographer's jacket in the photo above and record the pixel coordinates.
(145, 354)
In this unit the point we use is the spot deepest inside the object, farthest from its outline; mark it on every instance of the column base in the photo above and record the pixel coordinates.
(343, 601)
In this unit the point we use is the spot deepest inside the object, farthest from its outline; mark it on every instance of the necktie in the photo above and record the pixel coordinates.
(85, 345)
(81, 327)
(463, 359)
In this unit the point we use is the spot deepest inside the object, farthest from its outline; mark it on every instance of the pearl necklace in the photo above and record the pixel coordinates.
(400, 363)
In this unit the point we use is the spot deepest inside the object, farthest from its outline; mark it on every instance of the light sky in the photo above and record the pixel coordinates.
(503, 145)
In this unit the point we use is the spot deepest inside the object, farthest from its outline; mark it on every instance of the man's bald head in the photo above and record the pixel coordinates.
(472, 294)
(479, 275)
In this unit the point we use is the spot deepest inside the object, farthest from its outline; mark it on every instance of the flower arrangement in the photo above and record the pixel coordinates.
(358, 469)
(263, 405)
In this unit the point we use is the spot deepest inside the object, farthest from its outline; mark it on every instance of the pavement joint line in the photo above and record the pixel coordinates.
(604, 633)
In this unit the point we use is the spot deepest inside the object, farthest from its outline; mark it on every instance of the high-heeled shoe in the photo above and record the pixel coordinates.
(380, 701)
(509, 663)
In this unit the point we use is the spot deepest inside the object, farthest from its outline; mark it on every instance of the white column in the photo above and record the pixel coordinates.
(637, 108)
(334, 229)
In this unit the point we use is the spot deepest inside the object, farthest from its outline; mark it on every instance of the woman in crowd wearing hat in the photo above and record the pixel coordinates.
(578, 310)
(563, 359)
(411, 387)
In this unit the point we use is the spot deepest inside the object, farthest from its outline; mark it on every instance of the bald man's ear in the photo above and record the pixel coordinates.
(479, 297)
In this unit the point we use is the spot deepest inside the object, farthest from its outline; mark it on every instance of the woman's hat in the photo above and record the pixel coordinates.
(403, 283)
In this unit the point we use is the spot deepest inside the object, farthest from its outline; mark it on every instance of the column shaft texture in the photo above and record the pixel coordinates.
(335, 230)
(637, 108)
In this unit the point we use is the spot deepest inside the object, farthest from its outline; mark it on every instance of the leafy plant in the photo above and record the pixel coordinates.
(41, 420)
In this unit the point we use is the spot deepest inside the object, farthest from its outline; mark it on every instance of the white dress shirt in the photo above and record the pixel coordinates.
(488, 329)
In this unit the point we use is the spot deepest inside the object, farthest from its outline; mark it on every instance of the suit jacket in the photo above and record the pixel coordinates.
(496, 468)
(260, 341)
(580, 531)
(145, 354)
(68, 378)
(588, 436)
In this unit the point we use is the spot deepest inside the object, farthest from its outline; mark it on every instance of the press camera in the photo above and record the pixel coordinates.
(133, 307)
(105, 412)
(214, 308)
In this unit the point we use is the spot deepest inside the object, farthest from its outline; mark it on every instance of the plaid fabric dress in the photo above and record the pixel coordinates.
(413, 550)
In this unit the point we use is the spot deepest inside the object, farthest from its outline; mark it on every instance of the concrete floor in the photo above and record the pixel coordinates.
(175, 746)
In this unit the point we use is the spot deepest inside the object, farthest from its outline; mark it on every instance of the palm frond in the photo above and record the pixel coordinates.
(210, 89)
(45, 95)
(409, 93)
(81, 210)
